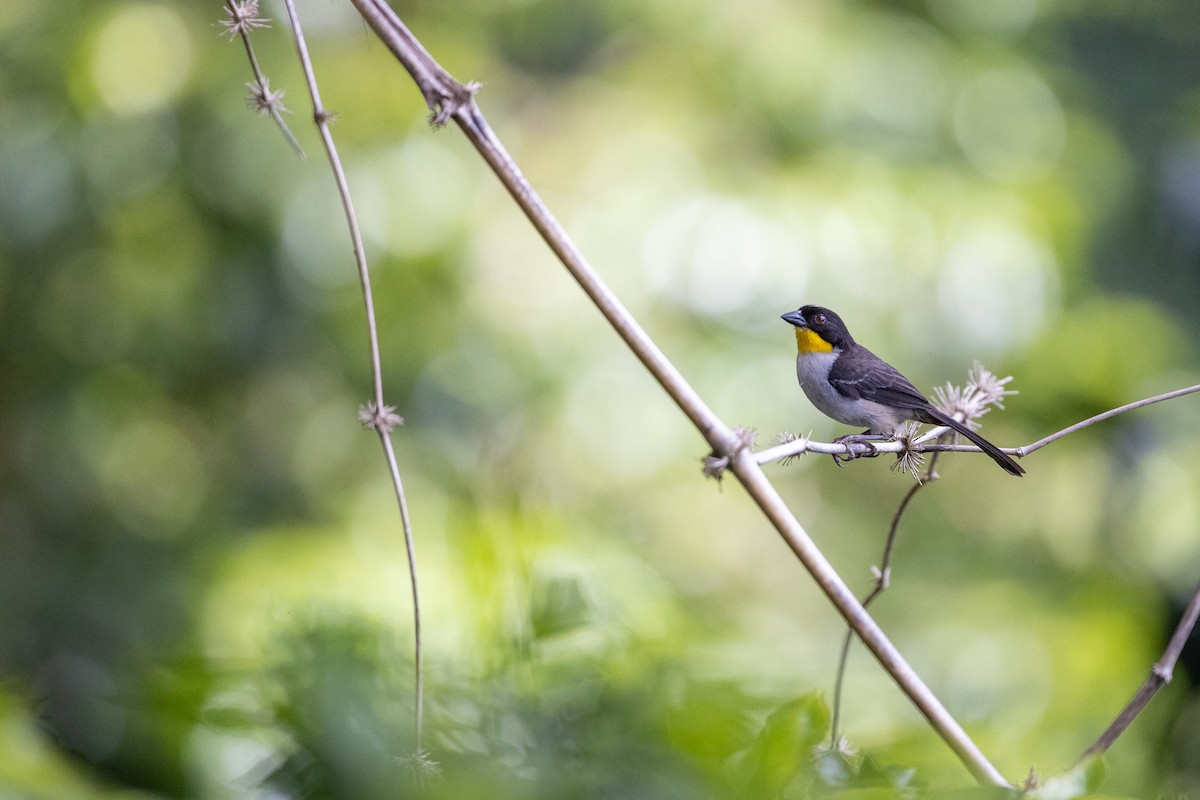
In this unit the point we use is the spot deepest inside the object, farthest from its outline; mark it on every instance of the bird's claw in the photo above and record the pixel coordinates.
(841, 458)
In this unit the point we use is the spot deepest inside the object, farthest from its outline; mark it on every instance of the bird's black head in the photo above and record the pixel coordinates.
(823, 322)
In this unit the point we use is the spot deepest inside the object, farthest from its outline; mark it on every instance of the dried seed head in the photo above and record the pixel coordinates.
(264, 101)
(909, 459)
(384, 420)
(241, 18)
(982, 391)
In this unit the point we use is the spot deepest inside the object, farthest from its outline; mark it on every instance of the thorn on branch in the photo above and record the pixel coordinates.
(384, 419)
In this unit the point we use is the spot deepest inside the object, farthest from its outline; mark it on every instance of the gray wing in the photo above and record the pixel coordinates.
(863, 375)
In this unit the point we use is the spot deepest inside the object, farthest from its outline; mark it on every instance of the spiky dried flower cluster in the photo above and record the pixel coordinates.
(714, 466)
(241, 18)
(982, 391)
(841, 748)
(420, 764)
(784, 437)
(379, 419)
(909, 459)
(264, 101)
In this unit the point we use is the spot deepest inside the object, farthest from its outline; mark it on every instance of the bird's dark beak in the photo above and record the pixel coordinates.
(796, 318)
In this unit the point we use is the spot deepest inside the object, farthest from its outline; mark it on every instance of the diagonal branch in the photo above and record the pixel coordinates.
(448, 99)
(443, 94)
(1160, 675)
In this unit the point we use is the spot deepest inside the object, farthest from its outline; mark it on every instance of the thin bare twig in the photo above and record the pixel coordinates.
(447, 99)
(243, 18)
(1158, 398)
(376, 415)
(1160, 675)
(883, 577)
(800, 446)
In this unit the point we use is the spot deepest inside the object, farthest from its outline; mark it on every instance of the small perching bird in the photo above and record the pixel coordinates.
(849, 383)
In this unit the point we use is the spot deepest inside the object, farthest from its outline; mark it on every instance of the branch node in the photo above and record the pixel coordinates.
(379, 418)
(883, 577)
(444, 102)
(263, 101)
(716, 463)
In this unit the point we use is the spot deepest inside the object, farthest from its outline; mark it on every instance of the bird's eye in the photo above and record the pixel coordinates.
(820, 319)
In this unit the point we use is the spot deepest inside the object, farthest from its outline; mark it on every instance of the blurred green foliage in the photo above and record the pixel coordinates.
(203, 589)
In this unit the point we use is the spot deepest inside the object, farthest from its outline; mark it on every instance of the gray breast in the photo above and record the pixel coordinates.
(812, 370)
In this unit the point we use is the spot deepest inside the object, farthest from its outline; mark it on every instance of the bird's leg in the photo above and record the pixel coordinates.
(866, 437)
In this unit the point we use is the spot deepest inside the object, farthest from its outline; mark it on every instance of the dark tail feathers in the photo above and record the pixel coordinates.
(1010, 466)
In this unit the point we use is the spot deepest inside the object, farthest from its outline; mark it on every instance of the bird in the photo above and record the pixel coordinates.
(849, 383)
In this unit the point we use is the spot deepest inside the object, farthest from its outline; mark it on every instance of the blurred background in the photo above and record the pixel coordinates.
(203, 589)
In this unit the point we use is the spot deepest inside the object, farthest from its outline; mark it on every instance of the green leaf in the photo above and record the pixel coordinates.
(783, 746)
(1079, 781)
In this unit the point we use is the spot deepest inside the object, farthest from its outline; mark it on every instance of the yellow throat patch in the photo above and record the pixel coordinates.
(809, 342)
